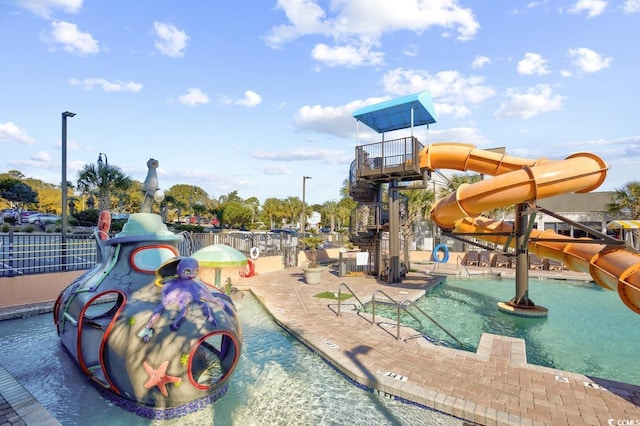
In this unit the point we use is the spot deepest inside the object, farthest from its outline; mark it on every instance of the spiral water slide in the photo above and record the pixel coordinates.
(518, 180)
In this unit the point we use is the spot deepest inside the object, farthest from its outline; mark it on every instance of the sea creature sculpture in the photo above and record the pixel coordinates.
(151, 189)
(182, 290)
(105, 318)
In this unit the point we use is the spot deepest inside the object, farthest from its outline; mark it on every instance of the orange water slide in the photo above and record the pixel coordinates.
(518, 180)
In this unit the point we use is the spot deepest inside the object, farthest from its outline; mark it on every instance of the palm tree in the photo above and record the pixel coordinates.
(626, 201)
(103, 180)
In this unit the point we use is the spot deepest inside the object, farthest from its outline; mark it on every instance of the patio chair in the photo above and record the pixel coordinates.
(502, 261)
(552, 265)
(535, 262)
(484, 258)
(471, 258)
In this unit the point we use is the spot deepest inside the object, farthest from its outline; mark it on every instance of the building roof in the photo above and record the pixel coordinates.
(400, 113)
(588, 202)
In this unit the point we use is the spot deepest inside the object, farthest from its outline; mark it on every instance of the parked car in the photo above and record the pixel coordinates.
(25, 214)
(9, 214)
(42, 218)
(291, 232)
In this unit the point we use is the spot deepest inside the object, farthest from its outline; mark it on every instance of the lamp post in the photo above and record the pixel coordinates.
(100, 162)
(303, 216)
(101, 188)
(64, 184)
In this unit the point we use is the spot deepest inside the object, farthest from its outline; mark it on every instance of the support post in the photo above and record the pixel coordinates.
(521, 304)
(394, 233)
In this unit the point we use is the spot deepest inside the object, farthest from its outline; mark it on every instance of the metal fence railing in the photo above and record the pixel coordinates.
(40, 253)
(44, 253)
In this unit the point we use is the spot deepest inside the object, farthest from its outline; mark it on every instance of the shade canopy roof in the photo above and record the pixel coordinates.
(396, 114)
(624, 224)
(219, 256)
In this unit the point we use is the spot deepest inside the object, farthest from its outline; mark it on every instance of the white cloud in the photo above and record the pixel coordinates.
(536, 100)
(411, 50)
(44, 8)
(107, 86)
(631, 6)
(276, 169)
(337, 121)
(458, 134)
(250, 99)
(446, 87)
(480, 62)
(41, 156)
(11, 132)
(592, 7)
(532, 63)
(349, 55)
(356, 29)
(329, 156)
(588, 61)
(73, 40)
(170, 40)
(193, 97)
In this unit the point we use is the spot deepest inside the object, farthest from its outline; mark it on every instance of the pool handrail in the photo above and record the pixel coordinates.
(350, 291)
(409, 303)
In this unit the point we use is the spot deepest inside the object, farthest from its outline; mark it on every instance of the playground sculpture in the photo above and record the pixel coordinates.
(158, 340)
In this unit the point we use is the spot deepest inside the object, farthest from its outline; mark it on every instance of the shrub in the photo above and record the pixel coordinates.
(6, 227)
(86, 218)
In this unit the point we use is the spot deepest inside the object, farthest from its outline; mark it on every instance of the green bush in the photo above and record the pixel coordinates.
(188, 228)
(6, 227)
(85, 218)
(116, 225)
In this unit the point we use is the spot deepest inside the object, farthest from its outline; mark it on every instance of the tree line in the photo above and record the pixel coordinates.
(105, 187)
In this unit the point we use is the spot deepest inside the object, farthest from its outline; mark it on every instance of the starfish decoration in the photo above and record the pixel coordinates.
(159, 377)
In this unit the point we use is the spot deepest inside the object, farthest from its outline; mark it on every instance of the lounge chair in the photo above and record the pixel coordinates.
(535, 262)
(471, 258)
(484, 258)
(552, 265)
(502, 261)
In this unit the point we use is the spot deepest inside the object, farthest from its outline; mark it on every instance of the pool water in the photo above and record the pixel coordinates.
(588, 329)
(277, 381)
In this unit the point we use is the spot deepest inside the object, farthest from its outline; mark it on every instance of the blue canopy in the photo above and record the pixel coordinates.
(395, 114)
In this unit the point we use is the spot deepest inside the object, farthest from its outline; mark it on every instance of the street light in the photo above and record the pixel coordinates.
(303, 216)
(64, 181)
(100, 162)
(64, 172)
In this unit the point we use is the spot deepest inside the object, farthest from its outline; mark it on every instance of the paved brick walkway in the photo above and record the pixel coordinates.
(493, 386)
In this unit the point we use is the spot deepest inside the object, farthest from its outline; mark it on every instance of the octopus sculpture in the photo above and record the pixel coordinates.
(151, 334)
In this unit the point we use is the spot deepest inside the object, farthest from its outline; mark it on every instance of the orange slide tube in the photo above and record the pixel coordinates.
(518, 180)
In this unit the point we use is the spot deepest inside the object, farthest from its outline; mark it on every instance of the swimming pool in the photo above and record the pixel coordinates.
(588, 329)
(277, 381)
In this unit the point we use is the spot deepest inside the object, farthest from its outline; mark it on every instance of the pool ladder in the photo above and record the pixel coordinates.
(402, 306)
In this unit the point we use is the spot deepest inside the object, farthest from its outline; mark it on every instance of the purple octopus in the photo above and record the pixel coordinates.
(182, 290)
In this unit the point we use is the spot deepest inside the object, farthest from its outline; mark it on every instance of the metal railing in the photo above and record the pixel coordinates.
(403, 306)
(41, 253)
(22, 254)
(352, 293)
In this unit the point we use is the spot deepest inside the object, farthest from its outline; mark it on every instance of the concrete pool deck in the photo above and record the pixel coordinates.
(494, 386)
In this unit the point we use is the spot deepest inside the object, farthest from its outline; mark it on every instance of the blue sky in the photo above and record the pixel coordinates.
(251, 96)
